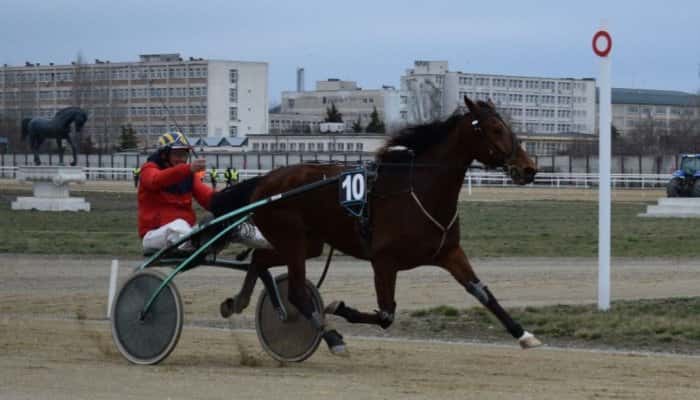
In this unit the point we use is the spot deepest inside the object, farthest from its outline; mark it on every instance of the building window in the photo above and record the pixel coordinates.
(233, 95)
(233, 74)
(233, 131)
(302, 146)
(233, 113)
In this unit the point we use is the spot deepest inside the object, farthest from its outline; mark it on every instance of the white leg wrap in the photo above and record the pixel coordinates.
(528, 341)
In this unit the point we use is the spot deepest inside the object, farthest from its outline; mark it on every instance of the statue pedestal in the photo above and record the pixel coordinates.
(50, 188)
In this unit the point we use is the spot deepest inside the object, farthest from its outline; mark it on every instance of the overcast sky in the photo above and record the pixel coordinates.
(656, 44)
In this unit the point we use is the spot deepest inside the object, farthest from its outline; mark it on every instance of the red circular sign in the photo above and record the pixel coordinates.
(608, 43)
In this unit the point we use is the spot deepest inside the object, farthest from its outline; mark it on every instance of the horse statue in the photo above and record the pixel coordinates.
(412, 221)
(59, 128)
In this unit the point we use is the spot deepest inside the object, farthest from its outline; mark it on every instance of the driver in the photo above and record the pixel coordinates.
(167, 184)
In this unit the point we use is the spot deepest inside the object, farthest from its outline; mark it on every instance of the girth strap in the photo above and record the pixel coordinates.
(434, 221)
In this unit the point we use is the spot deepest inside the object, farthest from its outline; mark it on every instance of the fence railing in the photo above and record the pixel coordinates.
(570, 179)
(472, 178)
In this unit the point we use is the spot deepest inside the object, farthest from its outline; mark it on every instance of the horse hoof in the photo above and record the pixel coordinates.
(335, 342)
(529, 341)
(340, 351)
(227, 307)
(239, 304)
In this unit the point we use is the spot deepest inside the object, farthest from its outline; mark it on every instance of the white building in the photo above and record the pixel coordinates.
(667, 110)
(532, 104)
(157, 93)
(307, 109)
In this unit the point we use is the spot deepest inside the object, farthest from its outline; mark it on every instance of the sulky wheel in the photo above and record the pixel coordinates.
(294, 339)
(146, 339)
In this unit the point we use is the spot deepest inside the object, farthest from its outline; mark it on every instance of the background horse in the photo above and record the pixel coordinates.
(38, 129)
(412, 216)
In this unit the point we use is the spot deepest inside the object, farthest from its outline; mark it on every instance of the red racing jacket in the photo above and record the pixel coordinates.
(165, 195)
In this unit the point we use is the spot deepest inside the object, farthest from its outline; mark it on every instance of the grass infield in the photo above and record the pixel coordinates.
(669, 325)
(541, 228)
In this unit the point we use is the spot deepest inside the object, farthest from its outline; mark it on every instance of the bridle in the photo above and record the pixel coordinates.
(510, 158)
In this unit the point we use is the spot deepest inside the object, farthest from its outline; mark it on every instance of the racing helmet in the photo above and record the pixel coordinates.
(173, 140)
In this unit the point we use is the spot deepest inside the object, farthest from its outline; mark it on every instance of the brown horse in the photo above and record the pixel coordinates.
(413, 216)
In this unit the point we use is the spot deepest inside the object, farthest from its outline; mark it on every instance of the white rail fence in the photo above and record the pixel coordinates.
(472, 178)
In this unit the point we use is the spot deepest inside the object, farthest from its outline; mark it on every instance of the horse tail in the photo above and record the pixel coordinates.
(233, 197)
(25, 128)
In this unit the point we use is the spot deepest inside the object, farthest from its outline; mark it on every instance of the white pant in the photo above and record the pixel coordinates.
(166, 234)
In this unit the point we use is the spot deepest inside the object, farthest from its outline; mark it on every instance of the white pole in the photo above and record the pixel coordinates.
(112, 286)
(469, 182)
(604, 186)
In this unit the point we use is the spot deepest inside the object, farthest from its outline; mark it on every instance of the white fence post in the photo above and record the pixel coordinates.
(114, 273)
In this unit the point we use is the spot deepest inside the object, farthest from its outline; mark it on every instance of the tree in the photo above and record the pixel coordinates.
(332, 114)
(127, 139)
(357, 125)
(11, 129)
(375, 124)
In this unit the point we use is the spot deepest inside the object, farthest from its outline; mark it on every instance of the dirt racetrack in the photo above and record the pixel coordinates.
(55, 342)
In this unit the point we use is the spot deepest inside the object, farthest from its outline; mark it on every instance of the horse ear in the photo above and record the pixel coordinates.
(490, 103)
(473, 108)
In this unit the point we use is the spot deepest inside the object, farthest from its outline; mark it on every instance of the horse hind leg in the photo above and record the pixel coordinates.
(239, 302)
(455, 261)
(35, 145)
(385, 286)
(59, 144)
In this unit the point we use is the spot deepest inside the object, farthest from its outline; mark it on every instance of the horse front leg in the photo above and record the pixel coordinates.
(455, 261)
(385, 288)
(72, 147)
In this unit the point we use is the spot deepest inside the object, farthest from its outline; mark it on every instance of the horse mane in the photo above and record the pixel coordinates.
(420, 138)
(70, 113)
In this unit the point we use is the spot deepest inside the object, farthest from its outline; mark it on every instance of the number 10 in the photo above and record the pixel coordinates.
(354, 186)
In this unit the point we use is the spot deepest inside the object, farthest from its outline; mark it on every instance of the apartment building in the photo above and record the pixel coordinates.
(307, 109)
(159, 92)
(666, 110)
(531, 104)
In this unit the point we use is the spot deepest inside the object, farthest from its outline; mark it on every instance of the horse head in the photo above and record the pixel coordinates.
(80, 120)
(496, 144)
(70, 115)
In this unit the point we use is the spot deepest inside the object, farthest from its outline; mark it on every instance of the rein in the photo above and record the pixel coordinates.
(443, 229)
(412, 192)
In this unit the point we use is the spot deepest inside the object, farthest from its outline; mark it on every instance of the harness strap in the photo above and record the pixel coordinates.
(434, 221)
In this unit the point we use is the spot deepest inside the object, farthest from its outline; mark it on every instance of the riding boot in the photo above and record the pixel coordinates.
(249, 235)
